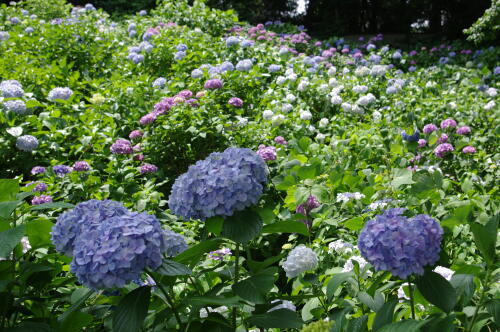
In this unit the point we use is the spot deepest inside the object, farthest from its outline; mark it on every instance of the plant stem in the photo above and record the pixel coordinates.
(481, 298)
(236, 276)
(168, 299)
(412, 300)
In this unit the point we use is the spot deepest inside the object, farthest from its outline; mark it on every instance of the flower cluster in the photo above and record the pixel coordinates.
(219, 185)
(17, 106)
(268, 153)
(236, 102)
(346, 197)
(11, 89)
(122, 146)
(42, 199)
(81, 166)
(60, 93)
(148, 168)
(299, 260)
(62, 170)
(392, 242)
(218, 255)
(27, 143)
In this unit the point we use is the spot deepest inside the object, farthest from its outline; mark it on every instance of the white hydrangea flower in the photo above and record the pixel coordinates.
(445, 272)
(362, 71)
(401, 293)
(376, 116)
(492, 92)
(336, 100)
(349, 265)
(323, 88)
(360, 89)
(379, 70)
(332, 70)
(290, 97)
(283, 305)
(332, 81)
(26, 244)
(304, 83)
(356, 109)
(278, 120)
(320, 137)
(377, 205)
(280, 80)
(490, 105)
(340, 246)
(346, 107)
(452, 105)
(299, 260)
(305, 115)
(346, 197)
(267, 114)
(285, 108)
(336, 91)
(323, 122)
(366, 99)
(241, 121)
(345, 71)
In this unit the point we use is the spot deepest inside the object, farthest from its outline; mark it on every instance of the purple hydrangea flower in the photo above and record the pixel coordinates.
(148, 118)
(442, 149)
(81, 166)
(174, 243)
(159, 82)
(122, 146)
(469, 149)
(17, 106)
(27, 143)
(37, 170)
(213, 84)
(391, 242)
(61, 170)
(219, 185)
(118, 250)
(448, 123)
(40, 187)
(464, 130)
(443, 138)
(218, 255)
(148, 168)
(310, 204)
(429, 128)
(268, 153)
(422, 143)
(280, 140)
(135, 134)
(236, 102)
(60, 93)
(42, 199)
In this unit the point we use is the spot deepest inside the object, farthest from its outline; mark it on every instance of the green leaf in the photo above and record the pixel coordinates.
(301, 194)
(30, 327)
(358, 324)
(440, 324)
(173, 268)
(493, 308)
(6, 208)
(255, 288)
(384, 315)
(308, 171)
(213, 300)
(132, 310)
(485, 238)
(280, 319)
(286, 227)
(402, 176)
(437, 290)
(38, 232)
(354, 224)
(76, 305)
(9, 239)
(335, 282)
(195, 253)
(76, 322)
(242, 226)
(8, 189)
(214, 225)
(56, 205)
(408, 325)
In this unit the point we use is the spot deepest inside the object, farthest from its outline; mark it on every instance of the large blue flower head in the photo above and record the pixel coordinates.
(392, 242)
(117, 251)
(86, 215)
(219, 185)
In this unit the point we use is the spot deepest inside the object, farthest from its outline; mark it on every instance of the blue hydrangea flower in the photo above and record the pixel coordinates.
(138, 58)
(181, 48)
(16, 106)
(411, 138)
(118, 250)
(219, 185)
(159, 82)
(244, 65)
(61, 170)
(232, 40)
(60, 93)
(86, 215)
(196, 73)
(174, 243)
(226, 66)
(4, 35)
(391, 242)
(11, 89)
(27, 143)
(179, 55)
(274, 68)
(29, 30)
(246, 43)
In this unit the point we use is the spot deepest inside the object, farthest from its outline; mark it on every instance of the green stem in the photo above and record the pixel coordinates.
(168, 299)
(481, 299)
(412, 300)
(236, 276)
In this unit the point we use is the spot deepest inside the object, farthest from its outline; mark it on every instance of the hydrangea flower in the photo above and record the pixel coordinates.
(244, 65)
(236, 102)
(422, 143)
(273, 68)
(299, 260)
(159, 82)
(464, 130)
(219, 255)
(135, 134)
(442, 149)
(448, 123)
(122, 146)
(280, 140)
(349, 265)
(429, 128)
(346, 197)
(37, 170)
(444, 272)
(27, 143)
(219, 185)
(402, 246)
(81, 166)
(340, 246)
(40, 186)
(11, 89)
(469, 150)
(268, 153)
(196, 73)
(174, 243)
(4, 35)
(60, 93)
(213, 84)
(232, 40)
(61, 170)
(410, 138)
(42, 199)
(16, 106)
(148, 168)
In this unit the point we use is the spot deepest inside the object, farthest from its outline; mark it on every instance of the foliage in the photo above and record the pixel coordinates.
(47, 10)
(487, 27)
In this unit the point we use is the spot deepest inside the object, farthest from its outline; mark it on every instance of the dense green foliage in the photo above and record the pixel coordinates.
(342, 110)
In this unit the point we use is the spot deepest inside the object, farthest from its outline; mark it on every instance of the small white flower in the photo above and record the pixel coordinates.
(332, 70)
(349, 265)
(345, 71)
(241, 121)
(280, 80)
(320, 137)
(278, 120)
(360, 89)
(333, 81)
(492, 92)
(340, 246)
(346, 197)
(285, 108)
(336, 100)
(346, 107)
(267, 114)
(323, 122)
(490, 105)
(376, 116)
(26, 244)
(305, 115)
(290, 98)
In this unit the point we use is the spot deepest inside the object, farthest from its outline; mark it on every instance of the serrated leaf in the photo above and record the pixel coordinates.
(193, 254)
(132, 310)
(280, 319)
(255, 288)
(286, 227)
(437, 290)
(243, 226)
(173, 268)
(15, 131)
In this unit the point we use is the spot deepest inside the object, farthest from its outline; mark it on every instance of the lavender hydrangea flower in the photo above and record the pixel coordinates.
(226, 66)
(402, 246)
(60, 93)
(429, 128)
(213, 84)
(148, 168)
(244, 65)
(42, 199)
(118, 250)
(138, 58)
(422, 143)
(448, 123)
(134, 134)
(236, 102)
(27, 143)
(11, 89)
(40, 187)
(232, 40)
(268, 153)
(81, 166)
(159, 82)
(62, 170)
(273, 68)
(16, 106)
(220, 185)
(280, 140)
(37, 170)
(442, 149)
(219, 255)
(464, 130)
(299, 260)
(469, 150)
(443, 138)
(86, 215)
(174, 243)
(148, 118)
(196, 73)
(122, 146)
